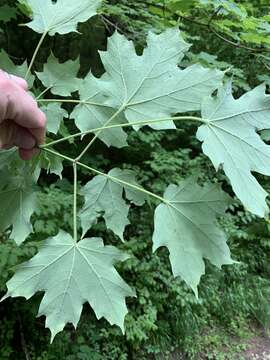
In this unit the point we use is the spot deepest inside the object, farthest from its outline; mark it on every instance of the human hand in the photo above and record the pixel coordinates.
(22, 124)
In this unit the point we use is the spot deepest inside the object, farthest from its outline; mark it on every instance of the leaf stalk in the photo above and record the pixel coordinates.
(115, 126)
(35, 55)
(75, 187)
(97, 172)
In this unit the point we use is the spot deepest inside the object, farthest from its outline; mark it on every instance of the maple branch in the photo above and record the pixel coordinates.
(115, 126)
(35, 55)
(97, 172)
(221, 37)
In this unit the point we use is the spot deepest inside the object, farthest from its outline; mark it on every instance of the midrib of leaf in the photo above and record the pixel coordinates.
(98, 277)
(21, 213)
(68, 282)
(237, 114)
(62, 22)
(97, 196)
(171, 93)
(194, 202)
(41, 13)
(42, 269)
(193, 223)
(117, 209)
(121, 73)
(236, 136)
(145, 78)
(240, 173)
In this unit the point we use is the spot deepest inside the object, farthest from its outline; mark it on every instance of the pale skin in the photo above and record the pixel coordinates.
(22, 123)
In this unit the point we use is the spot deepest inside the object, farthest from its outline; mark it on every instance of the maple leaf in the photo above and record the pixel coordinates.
(186, 224)
(104, 197)
(60, 17)
(54, 114)
(230, 140)
(85, 273)
(152, 86)
(60, 78)
(18, 199)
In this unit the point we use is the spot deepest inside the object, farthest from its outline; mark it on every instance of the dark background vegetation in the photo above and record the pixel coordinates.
(165, 316)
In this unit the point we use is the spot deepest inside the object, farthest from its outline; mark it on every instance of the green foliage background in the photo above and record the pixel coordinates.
(166, 315)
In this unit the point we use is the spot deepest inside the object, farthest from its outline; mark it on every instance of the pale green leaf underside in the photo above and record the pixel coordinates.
(186, 224)
(104, 197)
(61, 17)
(55, 115)
(231, 141)
(18, 202)
(85, 273)
(89, 116)
(152, 86)
(61, 79)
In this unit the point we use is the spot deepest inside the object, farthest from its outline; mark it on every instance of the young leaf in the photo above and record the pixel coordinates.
(19, 70)
(92, 114)
(54, 114)
(60, 78)
(152, 86)
(18, 199)
(186, 224)
(103, 197)
(230, 140)
(71, 274)
(60, 17)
